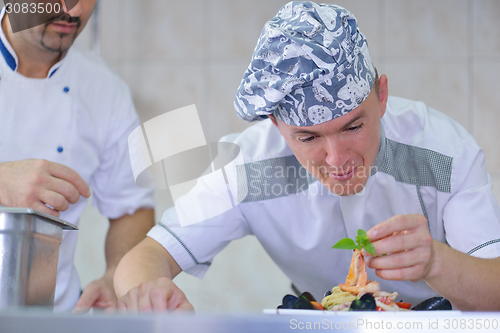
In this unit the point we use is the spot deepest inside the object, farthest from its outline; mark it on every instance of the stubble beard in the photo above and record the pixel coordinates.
(58, 44)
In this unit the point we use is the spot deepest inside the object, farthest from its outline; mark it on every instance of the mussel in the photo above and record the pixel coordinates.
(307, 295)
(305, 301)
(303, 304)
(434, 303)
(288, 301)
(365, 303)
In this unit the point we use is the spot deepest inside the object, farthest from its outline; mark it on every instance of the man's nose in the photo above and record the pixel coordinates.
(337, 154)
(74, 6)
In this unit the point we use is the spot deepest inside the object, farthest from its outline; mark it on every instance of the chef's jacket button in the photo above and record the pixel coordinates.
(60, 149)
(66, 89)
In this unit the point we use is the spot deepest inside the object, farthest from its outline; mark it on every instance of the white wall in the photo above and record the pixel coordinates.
(176, 53)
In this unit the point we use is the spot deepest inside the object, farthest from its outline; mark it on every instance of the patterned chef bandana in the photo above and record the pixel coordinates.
(311, 65)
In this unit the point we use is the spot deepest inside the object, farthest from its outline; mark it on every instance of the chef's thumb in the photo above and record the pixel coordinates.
(86, 301)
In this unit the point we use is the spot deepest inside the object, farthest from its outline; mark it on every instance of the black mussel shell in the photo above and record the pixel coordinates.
(365, 303)
(288, 301)
(302, 303)
(307, 295)
(434, 303)
(327, 293)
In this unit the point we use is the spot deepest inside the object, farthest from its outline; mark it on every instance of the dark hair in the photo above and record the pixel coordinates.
(376, 85)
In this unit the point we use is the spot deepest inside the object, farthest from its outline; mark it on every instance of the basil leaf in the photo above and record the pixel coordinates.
(345, 244)
(370, 248)
(361, 233)
(361, 238)
(362, 241)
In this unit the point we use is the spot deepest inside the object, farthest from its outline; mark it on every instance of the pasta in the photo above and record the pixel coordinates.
(357, 284)
(338, 300)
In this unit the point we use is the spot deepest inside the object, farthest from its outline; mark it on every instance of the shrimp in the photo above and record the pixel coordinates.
(357, 280)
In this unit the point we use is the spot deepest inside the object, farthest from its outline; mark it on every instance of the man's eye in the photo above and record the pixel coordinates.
(308, 139)
(354, 128)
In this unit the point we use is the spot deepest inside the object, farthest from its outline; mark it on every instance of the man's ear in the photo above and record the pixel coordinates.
(273, 119)
(383, 94)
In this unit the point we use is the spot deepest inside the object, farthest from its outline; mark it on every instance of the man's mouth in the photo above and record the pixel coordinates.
(65, 24)
(64, 27)
(341, 176)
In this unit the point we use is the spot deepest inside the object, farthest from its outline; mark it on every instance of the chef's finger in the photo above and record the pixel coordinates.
(395, 224)
(178, 299)
(144, 302)
(105, 299)
(131, 300)
(413, 273)
(40, 206)
(121, 306)
(87, 300)
(185, 306)
(400, 260)
(70, 175)
(409, 240)
(158, 298)
(54, 200)
(380, 251)
(65, 188)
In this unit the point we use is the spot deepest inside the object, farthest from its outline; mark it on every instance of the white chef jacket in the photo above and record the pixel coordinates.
(427, 164)
(79, 116)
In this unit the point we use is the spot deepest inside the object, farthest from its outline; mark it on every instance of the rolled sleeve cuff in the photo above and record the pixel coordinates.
(178, 250)
(487, 250)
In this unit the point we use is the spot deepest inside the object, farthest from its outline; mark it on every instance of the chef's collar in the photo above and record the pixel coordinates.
(10, 55)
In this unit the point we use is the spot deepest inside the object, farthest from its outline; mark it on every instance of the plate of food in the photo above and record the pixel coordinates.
(357, 293)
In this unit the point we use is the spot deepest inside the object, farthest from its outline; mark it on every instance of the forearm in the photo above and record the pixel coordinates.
(124, 233)
(148, 261)
(469, 283)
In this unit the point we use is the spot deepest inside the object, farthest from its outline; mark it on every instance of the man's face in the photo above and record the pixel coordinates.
(340, 153)
(58, 35)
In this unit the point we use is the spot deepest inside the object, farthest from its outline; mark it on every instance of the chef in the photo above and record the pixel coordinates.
(65, 124)
(409, 175)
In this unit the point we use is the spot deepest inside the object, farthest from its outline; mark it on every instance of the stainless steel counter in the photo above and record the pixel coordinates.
(434, 321)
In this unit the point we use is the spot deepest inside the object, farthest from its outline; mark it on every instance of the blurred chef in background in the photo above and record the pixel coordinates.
(411, 176)
(66, 118)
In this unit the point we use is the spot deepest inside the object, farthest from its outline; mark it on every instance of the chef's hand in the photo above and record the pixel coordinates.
(97, 294)
(408, 243)
(37, 183)
(158, 296)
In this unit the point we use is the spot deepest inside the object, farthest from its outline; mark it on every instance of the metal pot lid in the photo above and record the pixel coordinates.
(64, 224)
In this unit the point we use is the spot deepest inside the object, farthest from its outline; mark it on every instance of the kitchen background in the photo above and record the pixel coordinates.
(176, 53)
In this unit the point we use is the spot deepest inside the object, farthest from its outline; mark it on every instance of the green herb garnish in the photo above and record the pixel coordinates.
(362, 242)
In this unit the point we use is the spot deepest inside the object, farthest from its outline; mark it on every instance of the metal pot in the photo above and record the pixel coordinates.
(29, 250)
